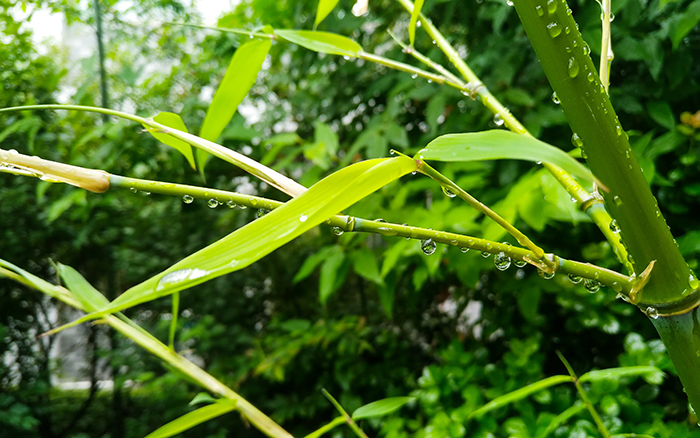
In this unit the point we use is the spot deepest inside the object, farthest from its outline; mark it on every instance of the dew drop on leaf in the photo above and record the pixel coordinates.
(614, 227)
(652, 312)
(555, 98)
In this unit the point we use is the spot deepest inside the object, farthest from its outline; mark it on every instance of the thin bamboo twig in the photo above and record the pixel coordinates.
(348, 419)
(591, 409)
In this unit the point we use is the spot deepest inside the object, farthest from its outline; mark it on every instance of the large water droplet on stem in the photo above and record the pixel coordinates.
(449, 193)
(575, 279)
(187, 199)
(501, 261)
(428, 246)
(591, 285)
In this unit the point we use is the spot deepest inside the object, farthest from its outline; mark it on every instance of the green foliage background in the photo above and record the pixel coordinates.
(394, 323)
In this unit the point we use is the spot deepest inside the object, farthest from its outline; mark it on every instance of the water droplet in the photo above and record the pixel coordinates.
(213, 203)
(555, 98)
(231, 204)
(414, 76)
(428, 246)
(485, 254)
(590, 77)
(187, 199)
(575, 279)
(178, 276)
(509, 2)
(591, 285)
(554, 29)
(501, 261)
(303, 218)
(338, 231)
(586, 49)
(693, 281)
(567, 30)
(652, 312)
(576, 140)
(619, 130)
(464, 249)
(498, 120)
(133, 190)
(551, 6)
(539, 10)
(572, 67)
(614, 227)
(519, 263)
(584, 155)
(545, 275)
(379, 220)
(617, 201)
(449, 193)
(261, 212)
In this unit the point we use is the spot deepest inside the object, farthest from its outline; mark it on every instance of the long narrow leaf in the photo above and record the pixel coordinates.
(417, 6)
(191, 419)
(498, 145)
(520, 394)
(323, 42)
(561, 419)
(324, 8)
(262, 236)
(652, 374)
(240, 76)
(380, 408)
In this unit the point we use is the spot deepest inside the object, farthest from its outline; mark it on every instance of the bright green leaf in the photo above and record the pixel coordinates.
(417, 6)
(262, 236)
(498, 145)
(652, 375)
(562, 418)
(191, 419)
(172, 120)
(324, 8)
(380, 408)
(323, 42)
(240, 76)
(520, 394)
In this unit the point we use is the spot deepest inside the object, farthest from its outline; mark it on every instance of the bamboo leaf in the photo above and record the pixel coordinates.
(172, 120)
(652, 375)
(240, 76)
(91, 298)
(417, 6)
(202, 397)
(324, 8)
(323, 42)
(498, 145)
(262, 236)
(44, 286)
(687, 22)
(191, 419)
(380, 408)
(520, 394)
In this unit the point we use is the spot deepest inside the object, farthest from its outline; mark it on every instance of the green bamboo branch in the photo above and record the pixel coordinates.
(171, 358)
(348, 419)
(549, 263)
(591, 409)
(584, 200)
(427, 61)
